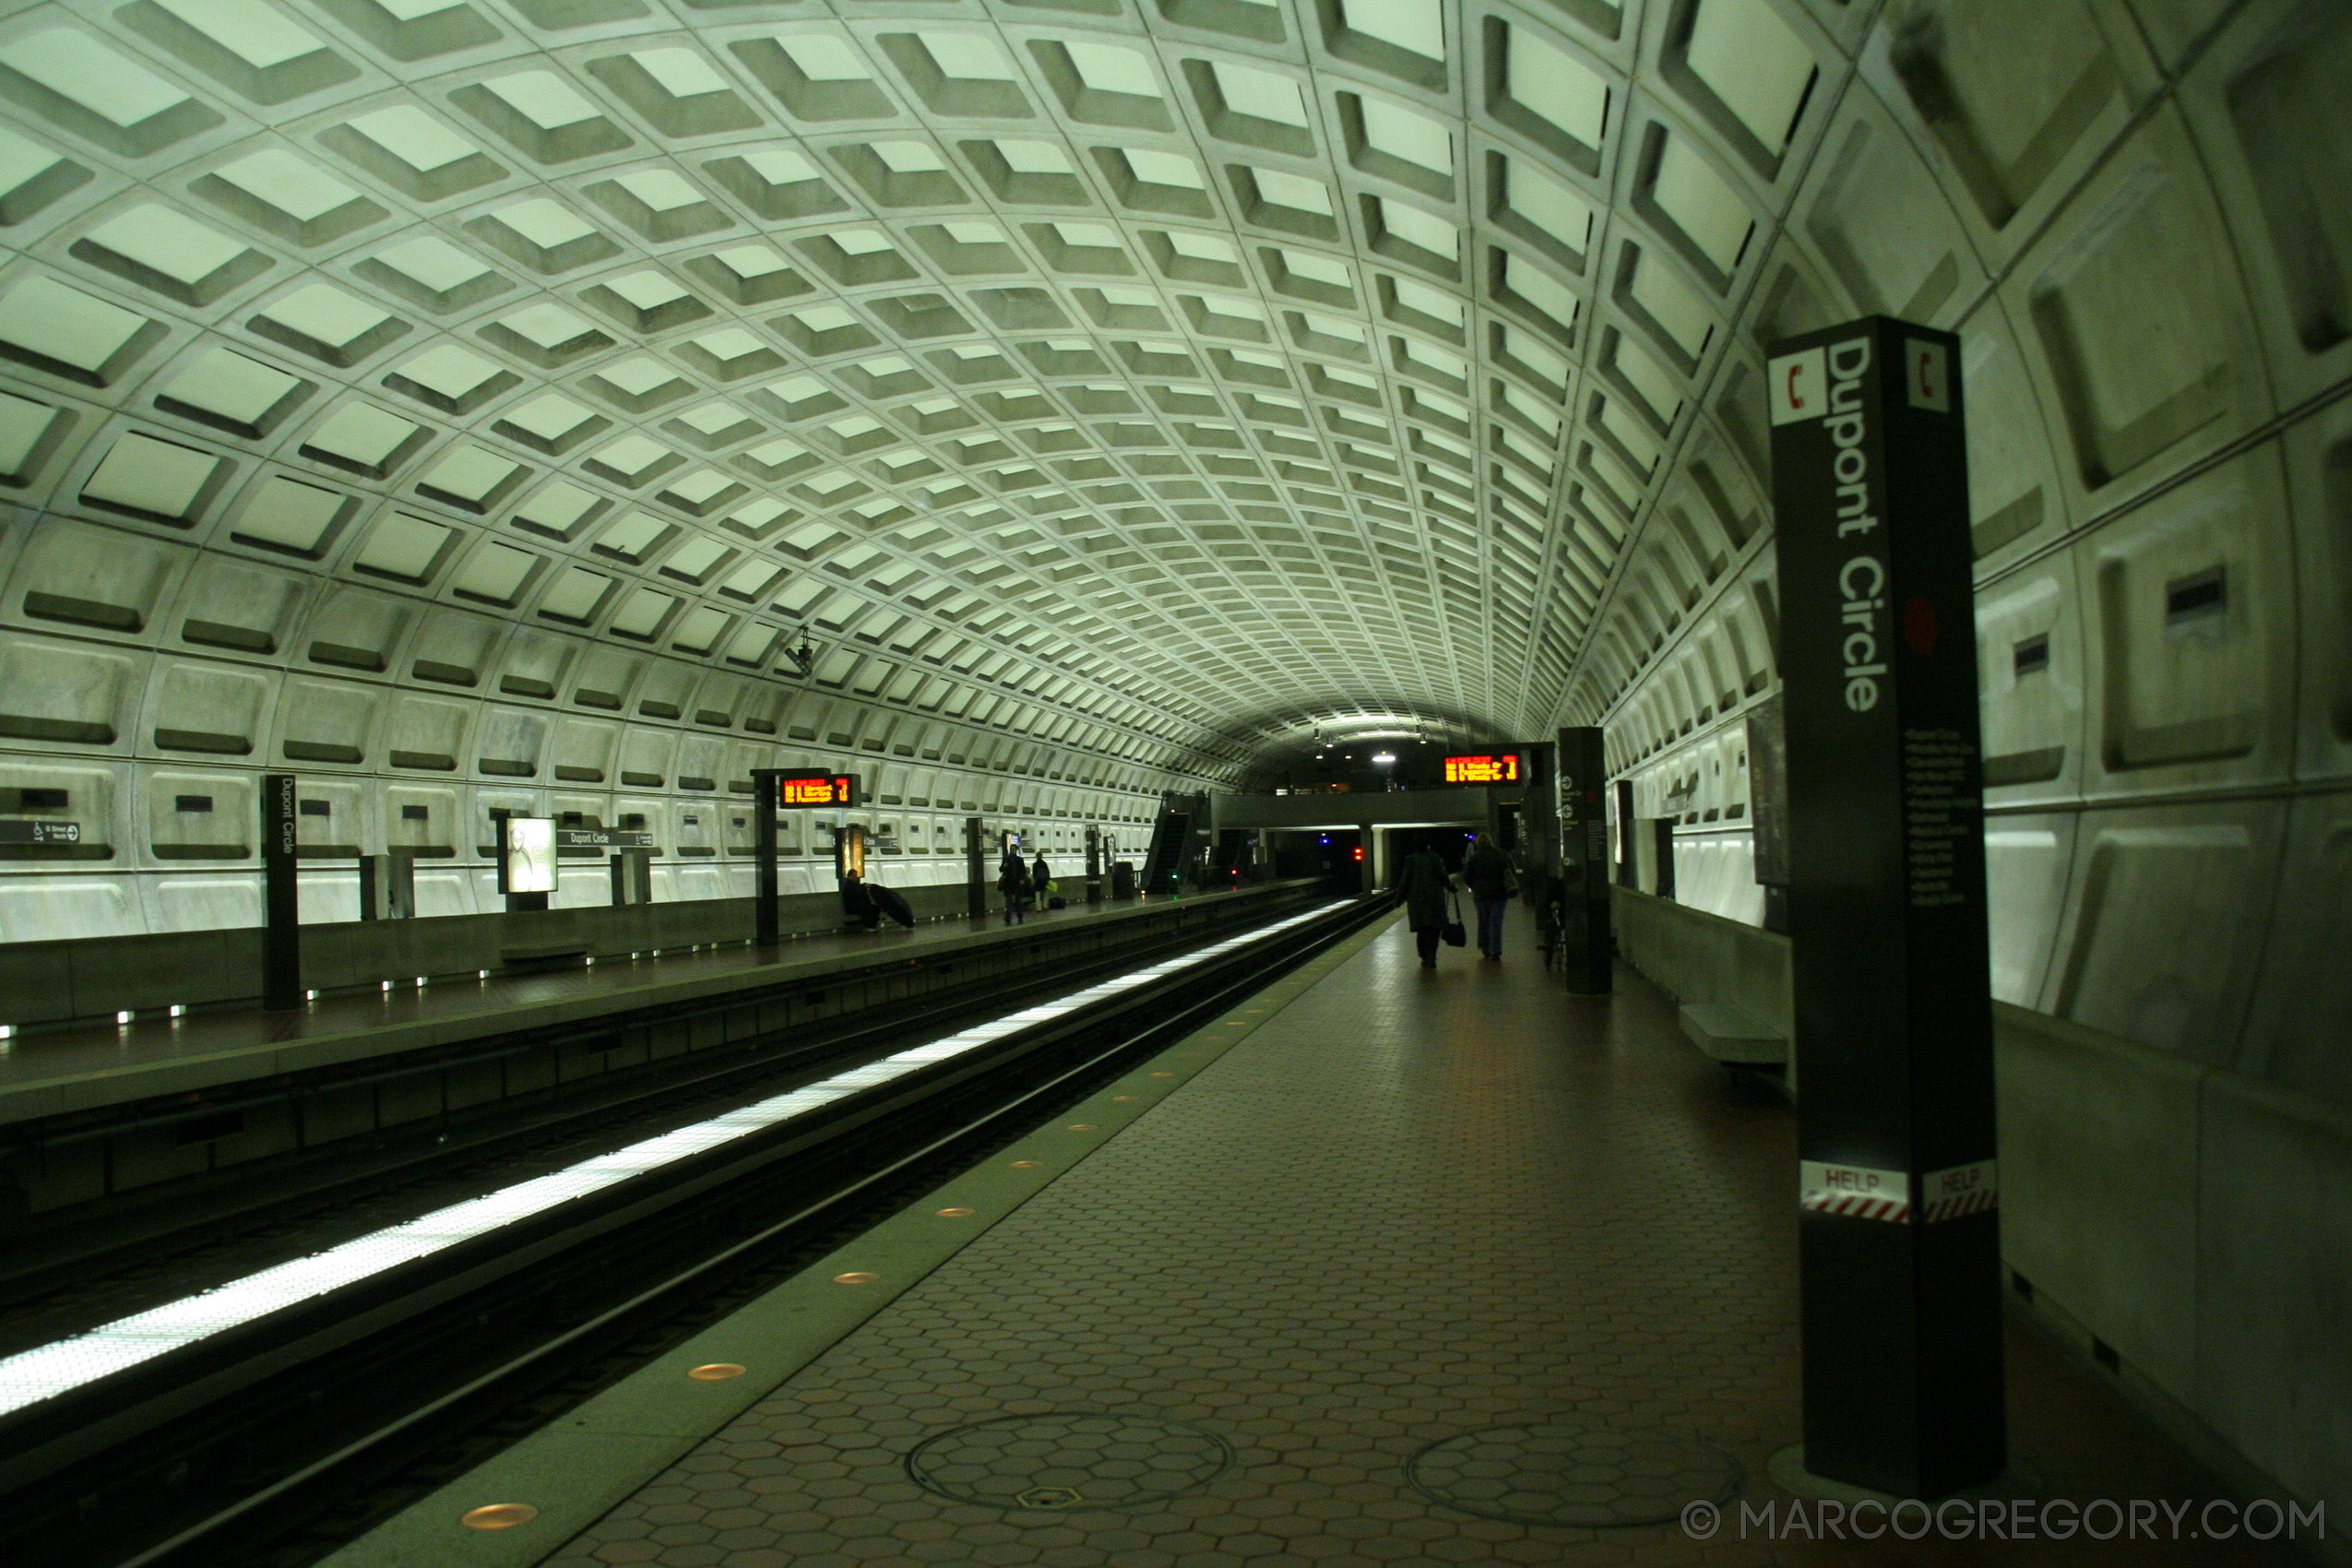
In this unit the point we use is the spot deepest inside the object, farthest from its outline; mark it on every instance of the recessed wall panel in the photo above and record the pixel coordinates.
(2138, 320)
(2296, 1035)
(2265, 100)
(2029, 652)
(63, 696)
(2169, 911)
(2191, 635)
(2318, 461)
(50, 908)
(2028, 861)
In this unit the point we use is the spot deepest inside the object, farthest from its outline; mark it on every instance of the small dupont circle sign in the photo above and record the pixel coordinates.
(1919, 626)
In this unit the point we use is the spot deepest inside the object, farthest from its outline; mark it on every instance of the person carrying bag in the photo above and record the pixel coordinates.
(1428, 892)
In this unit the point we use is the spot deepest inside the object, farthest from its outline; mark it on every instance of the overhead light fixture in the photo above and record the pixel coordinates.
(1383, 758)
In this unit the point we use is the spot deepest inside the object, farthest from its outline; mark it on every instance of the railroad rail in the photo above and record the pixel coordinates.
(265, 1418)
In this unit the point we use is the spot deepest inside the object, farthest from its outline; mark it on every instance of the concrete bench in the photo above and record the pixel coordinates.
(1733, 1037)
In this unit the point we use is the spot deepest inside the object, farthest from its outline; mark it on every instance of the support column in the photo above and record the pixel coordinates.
(1539, 819)
(975, 870)
(281, 900)
(768, 912)
(1898, 1232)
(1584, 931)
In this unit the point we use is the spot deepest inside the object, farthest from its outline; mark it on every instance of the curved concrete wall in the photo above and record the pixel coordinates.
(2137, 218)
(409, 722)
(2136, 222)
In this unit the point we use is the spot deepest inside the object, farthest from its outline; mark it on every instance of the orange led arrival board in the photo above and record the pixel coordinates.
(1502, 769)
(815, 787)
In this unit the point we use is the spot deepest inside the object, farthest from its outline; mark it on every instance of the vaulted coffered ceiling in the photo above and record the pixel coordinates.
(1230, 366)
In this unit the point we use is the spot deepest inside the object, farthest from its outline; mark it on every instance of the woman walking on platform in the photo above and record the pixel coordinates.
(1423, 881)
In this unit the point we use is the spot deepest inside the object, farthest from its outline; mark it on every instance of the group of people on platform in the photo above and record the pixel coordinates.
(1024, 885)
(1427, 888)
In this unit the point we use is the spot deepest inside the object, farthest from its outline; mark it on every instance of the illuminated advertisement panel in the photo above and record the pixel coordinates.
(527, 862)
(1500, 769)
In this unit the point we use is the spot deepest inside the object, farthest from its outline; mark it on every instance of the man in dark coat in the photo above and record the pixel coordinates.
(1040, 879)
(1423, 881)
(1012, 881)
(857, 903)
(1488, 874)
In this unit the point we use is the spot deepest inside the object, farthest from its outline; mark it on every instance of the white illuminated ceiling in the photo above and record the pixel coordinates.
(1235, 367)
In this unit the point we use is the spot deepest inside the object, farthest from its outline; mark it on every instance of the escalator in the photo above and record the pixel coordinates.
(1171, 839)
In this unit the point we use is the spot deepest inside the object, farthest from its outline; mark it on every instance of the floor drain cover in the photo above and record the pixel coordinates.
(1572, 1474)
(1071, 1461)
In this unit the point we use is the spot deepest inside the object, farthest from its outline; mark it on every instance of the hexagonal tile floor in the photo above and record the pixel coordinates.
(1067, 1460)
(1412, 1208)
(1568, 1473)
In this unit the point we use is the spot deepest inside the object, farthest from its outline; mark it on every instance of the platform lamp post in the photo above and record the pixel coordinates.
(1898, 1223)
(282, 902)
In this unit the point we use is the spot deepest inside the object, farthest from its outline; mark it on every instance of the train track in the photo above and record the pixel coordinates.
(270, 1440)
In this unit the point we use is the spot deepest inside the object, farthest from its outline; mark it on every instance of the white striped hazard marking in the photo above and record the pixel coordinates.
(1863, 1192)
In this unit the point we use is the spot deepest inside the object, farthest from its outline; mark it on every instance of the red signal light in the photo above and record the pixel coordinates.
(1360, 851)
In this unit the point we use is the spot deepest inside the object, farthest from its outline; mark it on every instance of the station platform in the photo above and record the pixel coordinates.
(1333, 1281)
(92, 1066)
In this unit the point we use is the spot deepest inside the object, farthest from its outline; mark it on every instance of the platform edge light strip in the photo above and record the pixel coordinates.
(31, 1376)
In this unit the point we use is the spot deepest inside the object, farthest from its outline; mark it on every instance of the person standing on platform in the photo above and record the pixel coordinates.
(1488, 874)
(1423, 881)
(1012, 881)
(1041, 878)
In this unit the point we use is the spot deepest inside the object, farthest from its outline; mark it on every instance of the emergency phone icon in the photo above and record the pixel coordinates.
(1927, 376)
(1800, 386)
